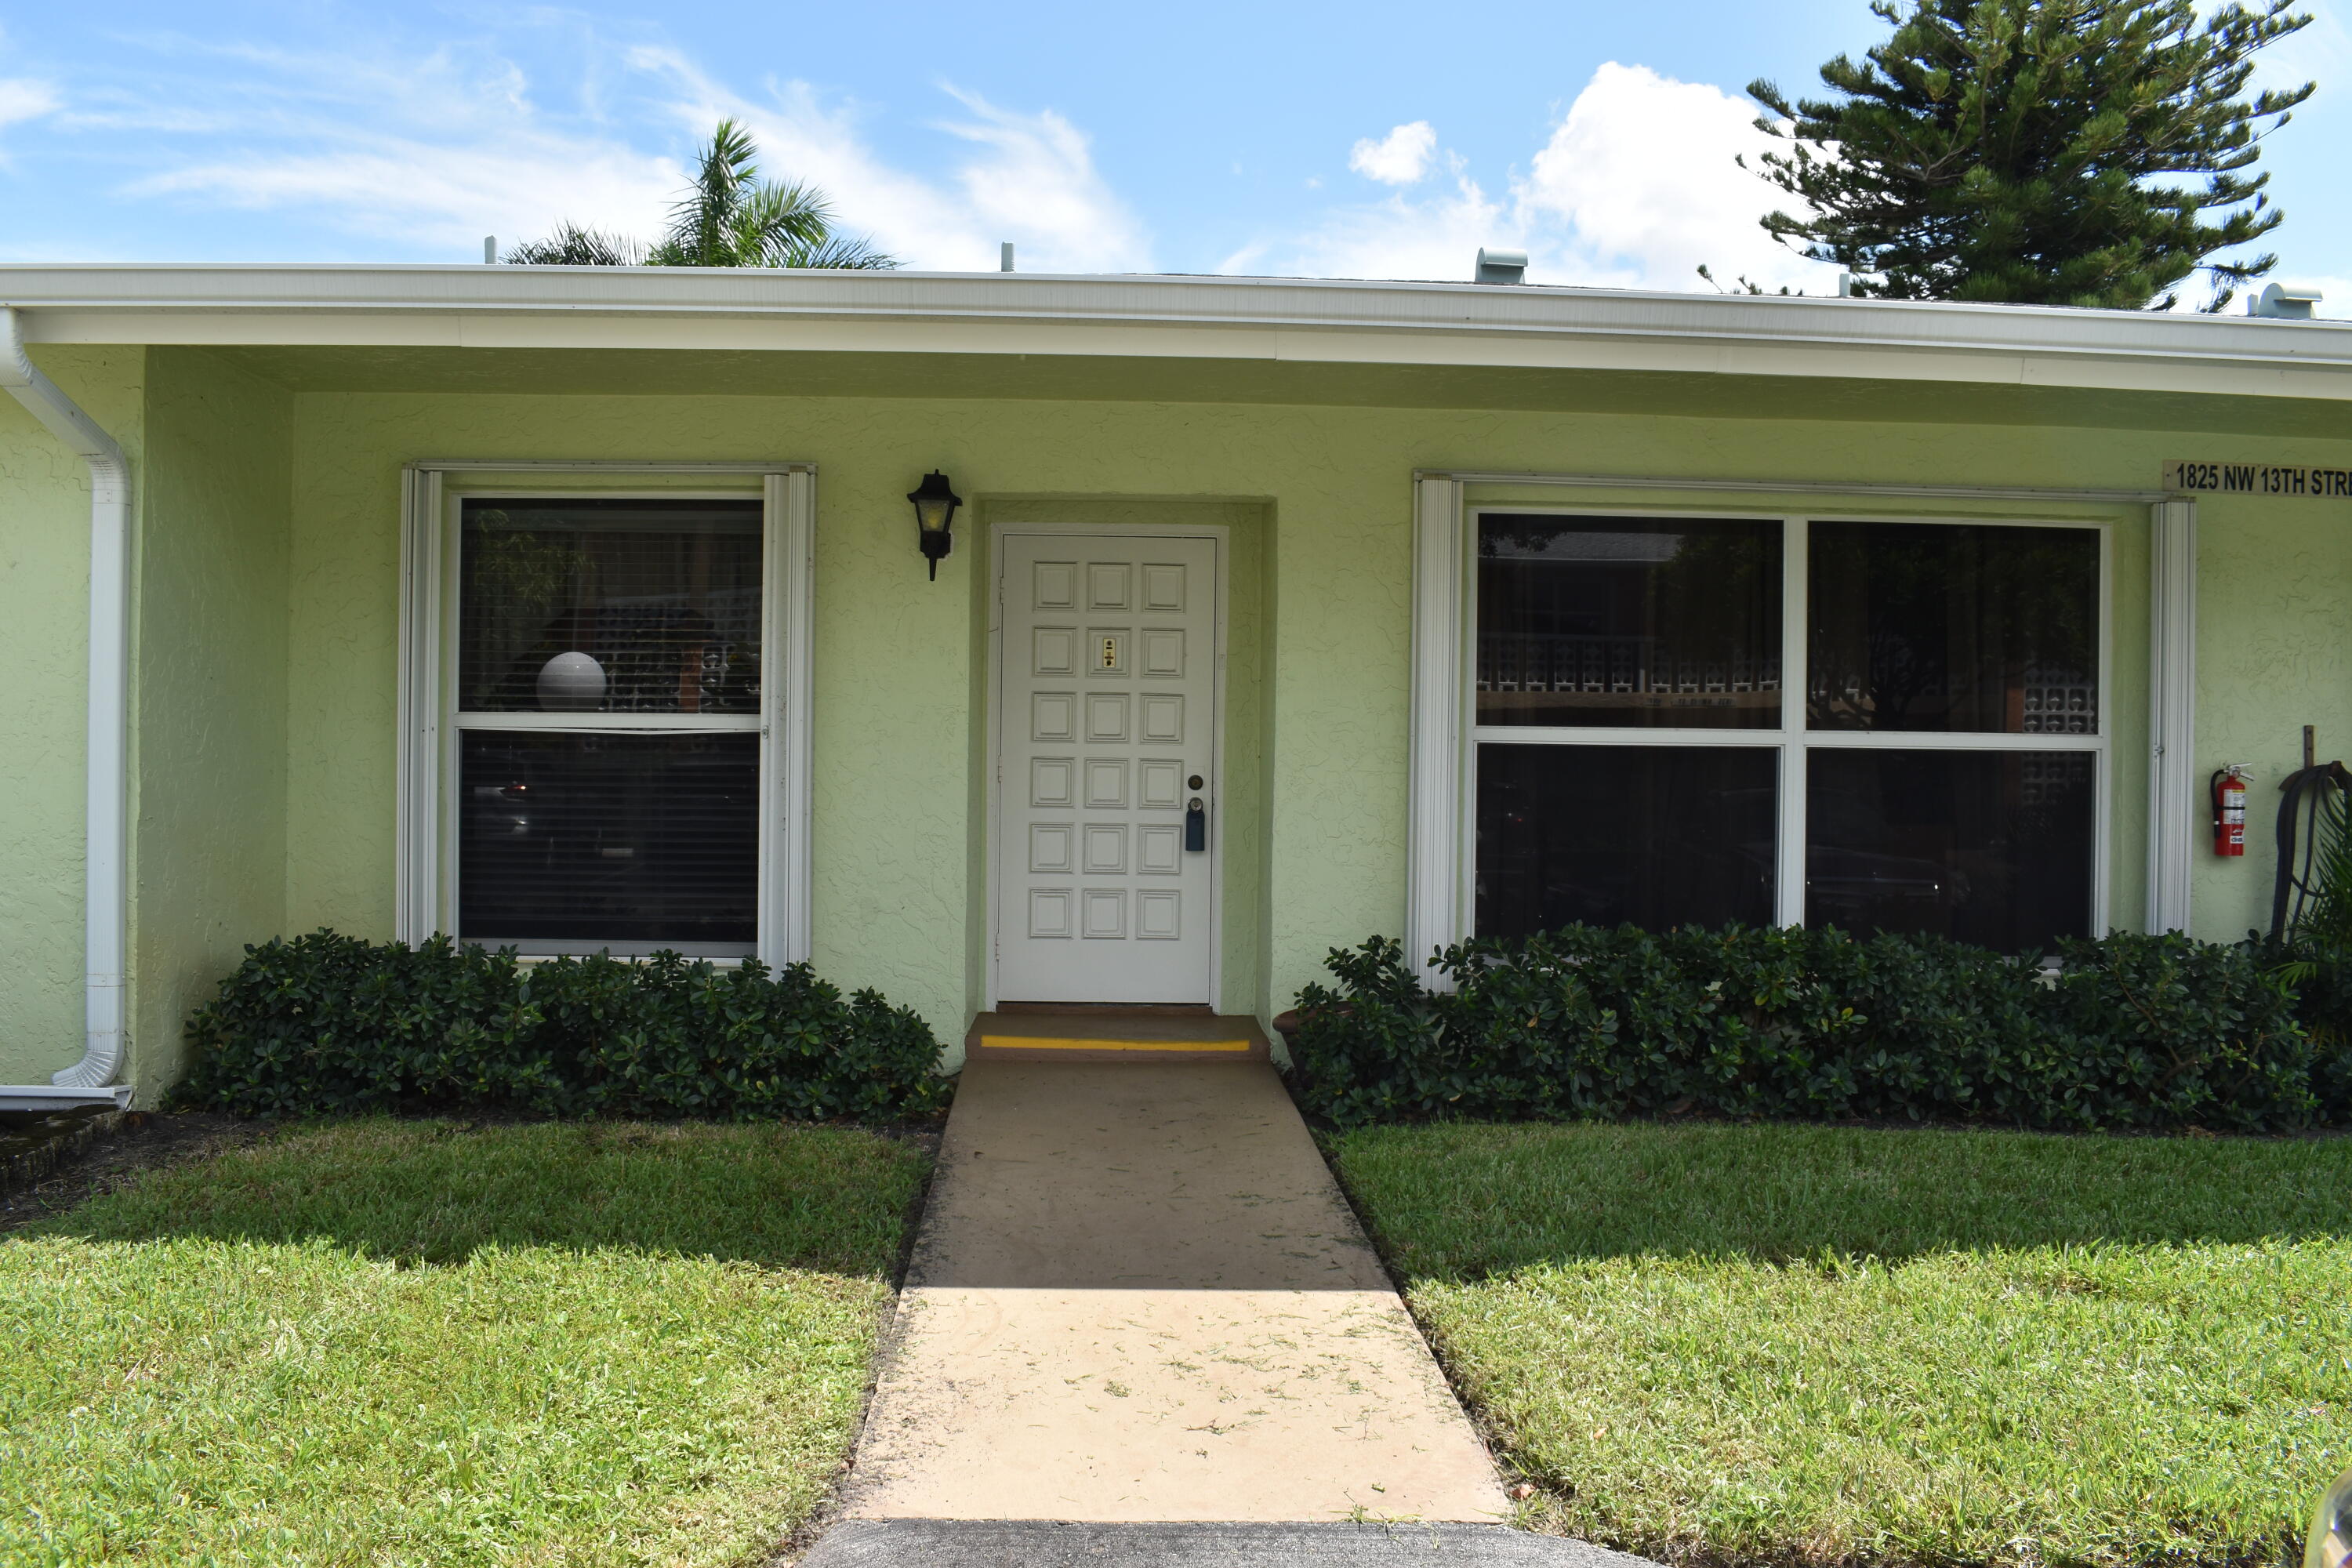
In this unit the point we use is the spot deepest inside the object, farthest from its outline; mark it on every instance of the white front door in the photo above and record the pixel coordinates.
(1107, 739)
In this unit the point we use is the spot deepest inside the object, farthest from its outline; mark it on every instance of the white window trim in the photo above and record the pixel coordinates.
(1442, 826)
(2175, 802)
(426, 877)
(1439, 847)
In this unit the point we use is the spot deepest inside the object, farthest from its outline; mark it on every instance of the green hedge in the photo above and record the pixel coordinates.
(1583, 1023)
(331, 1024)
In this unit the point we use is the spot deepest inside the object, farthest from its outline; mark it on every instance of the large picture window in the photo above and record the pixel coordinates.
(1877, 725)
(607, 755)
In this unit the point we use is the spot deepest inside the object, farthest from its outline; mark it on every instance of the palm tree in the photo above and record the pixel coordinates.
(571, 246)
(728, 217)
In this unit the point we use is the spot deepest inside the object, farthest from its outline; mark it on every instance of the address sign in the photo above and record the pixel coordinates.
(2258, 479)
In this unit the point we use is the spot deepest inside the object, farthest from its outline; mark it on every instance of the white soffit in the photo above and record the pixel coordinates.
(1296, 320)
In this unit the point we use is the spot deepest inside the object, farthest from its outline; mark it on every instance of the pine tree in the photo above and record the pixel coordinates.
(2036, 152)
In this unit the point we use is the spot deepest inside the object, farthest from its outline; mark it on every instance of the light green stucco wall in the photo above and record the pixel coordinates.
(2273, 654)
(210, 471)
(896, 672)
(45, 649)
(209, 805)
(1319, 501)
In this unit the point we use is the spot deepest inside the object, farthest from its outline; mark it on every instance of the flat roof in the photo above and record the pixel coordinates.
(1321, 321)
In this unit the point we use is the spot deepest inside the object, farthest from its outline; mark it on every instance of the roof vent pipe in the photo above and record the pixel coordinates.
(2283, 304)
(1501, 266)
(105, 863)
(1004, 257)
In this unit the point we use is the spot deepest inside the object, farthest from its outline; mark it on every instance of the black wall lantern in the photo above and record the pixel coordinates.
(935, 510)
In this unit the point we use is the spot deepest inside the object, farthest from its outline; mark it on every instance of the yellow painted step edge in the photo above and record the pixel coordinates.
(1044, 1043)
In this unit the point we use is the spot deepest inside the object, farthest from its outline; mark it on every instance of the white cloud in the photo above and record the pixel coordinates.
(440, 149)
(1433, 238)
(1029, 178)
(1639, 179)
(1634, 189)
(22, 99)
(1035, 180)
(1400, 158)
(433, 149)
(446, 195)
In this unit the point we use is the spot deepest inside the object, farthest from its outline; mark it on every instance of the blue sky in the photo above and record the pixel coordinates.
(1361, 139)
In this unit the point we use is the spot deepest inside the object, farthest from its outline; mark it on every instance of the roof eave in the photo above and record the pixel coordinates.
(1312, 319)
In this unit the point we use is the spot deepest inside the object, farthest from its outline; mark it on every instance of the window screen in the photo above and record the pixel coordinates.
(1929, 626)
(608, 754)
(1636, 761)
(1989, 847)
(1657, 835)
(1656, 622)
(663, 596)
(631, 841)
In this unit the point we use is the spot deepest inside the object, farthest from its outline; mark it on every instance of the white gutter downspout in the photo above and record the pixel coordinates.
(106, 864)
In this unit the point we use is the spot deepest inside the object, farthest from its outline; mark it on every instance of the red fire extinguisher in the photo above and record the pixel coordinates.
(2228, 788)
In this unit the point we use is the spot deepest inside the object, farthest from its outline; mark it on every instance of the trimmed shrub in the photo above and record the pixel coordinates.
(1583, 1023)
(331, 1024)
(2321, 978)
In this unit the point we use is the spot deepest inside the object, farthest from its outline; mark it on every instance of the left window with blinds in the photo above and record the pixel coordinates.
(606, 758)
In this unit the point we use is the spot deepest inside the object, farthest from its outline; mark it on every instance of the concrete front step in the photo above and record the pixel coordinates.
(1048, 1543)
(1039, 1032)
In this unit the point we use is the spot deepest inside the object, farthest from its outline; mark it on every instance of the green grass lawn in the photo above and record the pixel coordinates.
(407, 1343)
(1829, 1345)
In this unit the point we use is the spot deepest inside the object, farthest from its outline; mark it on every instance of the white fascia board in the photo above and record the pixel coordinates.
(1304, 321)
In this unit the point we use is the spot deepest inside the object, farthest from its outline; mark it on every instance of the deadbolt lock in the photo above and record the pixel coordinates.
(1192, 782)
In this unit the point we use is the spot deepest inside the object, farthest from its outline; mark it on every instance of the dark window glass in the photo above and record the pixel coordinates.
(1657, 836)
(1954, 627)
(1991, 847)
(1629, 620)
(574, 842)
(600, 605)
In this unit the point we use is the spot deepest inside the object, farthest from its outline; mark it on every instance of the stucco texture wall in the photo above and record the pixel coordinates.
(2273, 654)
(268, 643)
(209, 806)
(45, 649)
(896, 658)
(210, 475)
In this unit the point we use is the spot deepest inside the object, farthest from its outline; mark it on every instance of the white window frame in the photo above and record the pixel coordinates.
(425, 899)
(1446, 739)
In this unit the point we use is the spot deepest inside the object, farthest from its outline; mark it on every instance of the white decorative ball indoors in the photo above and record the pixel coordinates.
(571, 683)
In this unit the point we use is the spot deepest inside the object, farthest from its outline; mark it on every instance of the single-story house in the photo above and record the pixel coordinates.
(588, 608)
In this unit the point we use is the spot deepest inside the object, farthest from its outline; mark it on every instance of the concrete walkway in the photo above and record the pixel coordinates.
(1137, 1296)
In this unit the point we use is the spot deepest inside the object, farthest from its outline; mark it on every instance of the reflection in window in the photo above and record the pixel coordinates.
(606, 605)
(1657, 836)
(1990, 848)
(1629, 621)
(1934, 627)
(574, 842)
